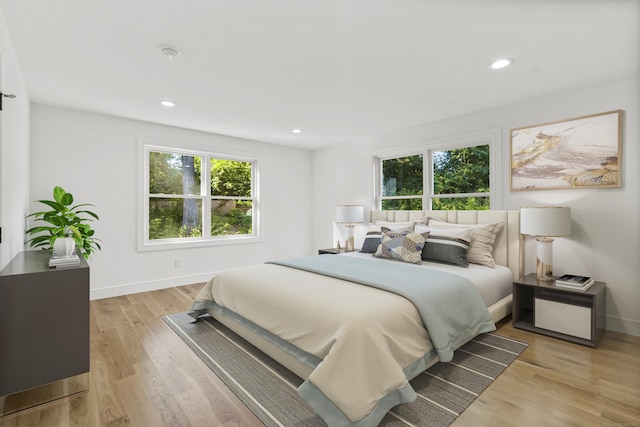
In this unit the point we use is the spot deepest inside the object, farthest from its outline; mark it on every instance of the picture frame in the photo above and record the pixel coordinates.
(582, 152)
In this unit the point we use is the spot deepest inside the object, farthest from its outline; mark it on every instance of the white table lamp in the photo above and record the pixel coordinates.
(349, 215)
(545, 222)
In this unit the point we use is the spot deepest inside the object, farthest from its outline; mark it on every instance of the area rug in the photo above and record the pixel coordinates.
(269, 390)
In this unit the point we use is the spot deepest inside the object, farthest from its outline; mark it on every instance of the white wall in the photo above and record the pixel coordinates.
(95, 157)
(605, 239)
(14, 150)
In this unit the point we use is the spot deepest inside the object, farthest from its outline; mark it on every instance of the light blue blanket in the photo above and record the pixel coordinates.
(450, 305)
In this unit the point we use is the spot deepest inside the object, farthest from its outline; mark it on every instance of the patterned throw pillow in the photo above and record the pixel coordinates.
(405, 247)
(365, 234)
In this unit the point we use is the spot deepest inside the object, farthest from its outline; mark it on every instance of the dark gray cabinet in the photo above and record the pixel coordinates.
(44, 322)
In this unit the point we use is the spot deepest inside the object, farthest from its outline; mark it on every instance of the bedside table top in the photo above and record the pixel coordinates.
(530, 280)
(334, 251)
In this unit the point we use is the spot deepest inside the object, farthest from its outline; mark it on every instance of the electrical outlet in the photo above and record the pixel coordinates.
(177, 262)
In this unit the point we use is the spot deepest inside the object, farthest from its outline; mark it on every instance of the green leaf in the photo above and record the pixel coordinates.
(67, 199)
(43, 245)
(58, 194)
(58, 220)
(54, 205)
(36, 214)
(39, 229)
(89, 213)
(38, 240)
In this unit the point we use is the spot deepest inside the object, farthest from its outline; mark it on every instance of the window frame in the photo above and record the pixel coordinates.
(491, 137)
(146, 244)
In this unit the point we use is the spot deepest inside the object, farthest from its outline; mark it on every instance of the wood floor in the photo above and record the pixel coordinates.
(143, 375)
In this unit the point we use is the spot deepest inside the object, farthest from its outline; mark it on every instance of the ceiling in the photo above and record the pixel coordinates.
(340, 70)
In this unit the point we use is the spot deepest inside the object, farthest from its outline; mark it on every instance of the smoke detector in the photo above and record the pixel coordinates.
(170, 53)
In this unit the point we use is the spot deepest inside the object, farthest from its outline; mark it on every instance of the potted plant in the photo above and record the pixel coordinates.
(65, 222)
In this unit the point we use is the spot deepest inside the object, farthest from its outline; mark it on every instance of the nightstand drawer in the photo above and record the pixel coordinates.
(567, 319)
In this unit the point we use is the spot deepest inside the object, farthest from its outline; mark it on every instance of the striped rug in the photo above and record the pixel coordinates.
(269, 390)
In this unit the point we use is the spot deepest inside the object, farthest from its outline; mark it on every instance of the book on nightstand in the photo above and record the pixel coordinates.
(569, 281)
(64, 261)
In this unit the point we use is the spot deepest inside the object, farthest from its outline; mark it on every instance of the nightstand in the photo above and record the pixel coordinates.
(571, 315)
(332, 251)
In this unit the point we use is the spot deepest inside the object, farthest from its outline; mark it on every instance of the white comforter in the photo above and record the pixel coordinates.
(364, 336)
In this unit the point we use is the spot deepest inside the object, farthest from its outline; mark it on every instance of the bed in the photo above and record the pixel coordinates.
(357, 346)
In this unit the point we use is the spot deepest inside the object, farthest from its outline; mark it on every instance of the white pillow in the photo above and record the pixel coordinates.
(482, 239)
(400, 227)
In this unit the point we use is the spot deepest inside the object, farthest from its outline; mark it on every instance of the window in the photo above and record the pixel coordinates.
(197, 197)
(402, 183)
(461, 179)
(436, 179)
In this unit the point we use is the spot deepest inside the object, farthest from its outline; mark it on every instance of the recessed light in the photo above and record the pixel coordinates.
(501, 63)
(296, 130)
(170, 53)
(168, 103)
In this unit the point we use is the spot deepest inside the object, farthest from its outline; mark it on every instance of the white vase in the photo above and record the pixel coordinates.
(63, 246)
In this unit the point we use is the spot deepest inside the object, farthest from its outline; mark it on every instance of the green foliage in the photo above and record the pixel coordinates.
(462, 170)
(66, 221)
(230, 178)
(167, 173)
(402, 176)
(461, 203)
(171, 218)
(166, 219)
(456, 171)
(402, 204)
(231, 217)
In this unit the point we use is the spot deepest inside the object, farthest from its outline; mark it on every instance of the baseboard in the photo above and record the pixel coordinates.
(154, 285)
(625, 326)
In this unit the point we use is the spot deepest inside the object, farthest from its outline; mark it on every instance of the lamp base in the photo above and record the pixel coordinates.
(544, 271)
(544, 266)
(349, 244)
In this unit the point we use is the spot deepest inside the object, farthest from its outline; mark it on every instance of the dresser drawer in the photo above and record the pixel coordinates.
(568, 319)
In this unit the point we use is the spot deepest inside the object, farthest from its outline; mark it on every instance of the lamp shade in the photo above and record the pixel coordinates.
(349, 213)
(547, 221)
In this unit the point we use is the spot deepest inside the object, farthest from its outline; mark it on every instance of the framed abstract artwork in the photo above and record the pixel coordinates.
(583, 152)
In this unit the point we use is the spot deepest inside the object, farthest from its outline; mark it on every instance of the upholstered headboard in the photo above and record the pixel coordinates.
(508, 247)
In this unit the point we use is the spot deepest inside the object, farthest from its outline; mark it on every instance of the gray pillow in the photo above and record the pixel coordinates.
(371, 242)
(446, 249)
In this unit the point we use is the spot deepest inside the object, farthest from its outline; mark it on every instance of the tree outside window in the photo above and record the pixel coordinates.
(189, 193)
(460, 180)
(402, 182)
(231, 201)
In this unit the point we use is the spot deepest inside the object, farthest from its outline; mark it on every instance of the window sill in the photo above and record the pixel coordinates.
(165, 245)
